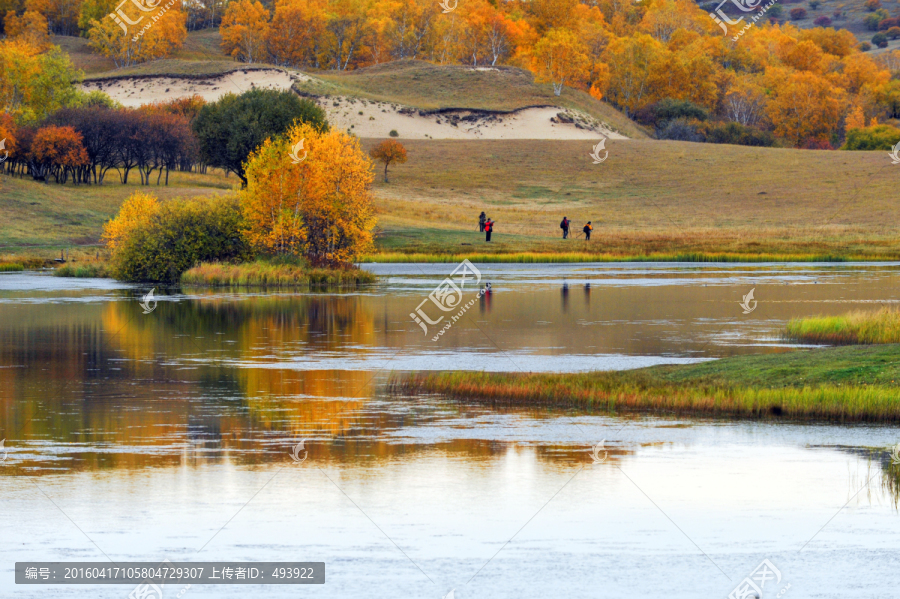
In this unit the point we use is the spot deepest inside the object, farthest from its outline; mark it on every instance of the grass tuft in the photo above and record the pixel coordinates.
(853, 328)
(83, 271)
(268, 274)
(11, 267)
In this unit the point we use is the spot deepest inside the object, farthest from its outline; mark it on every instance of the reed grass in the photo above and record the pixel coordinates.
(853, 328)
(567, 257)
(639, 392)
(266, 274)
(83, 271)
(11, 267)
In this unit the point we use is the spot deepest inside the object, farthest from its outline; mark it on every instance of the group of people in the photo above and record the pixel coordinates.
(566, 223)
(486, 226)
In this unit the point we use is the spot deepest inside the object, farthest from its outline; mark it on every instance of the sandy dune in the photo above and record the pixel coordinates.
(367, 118)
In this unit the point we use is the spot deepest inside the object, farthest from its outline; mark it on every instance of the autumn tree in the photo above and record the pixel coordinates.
(803, 106)
(136, 211)
(320, 208)
(387, 152)
(229, 129)
(244, 29)
(35, 84)
(296, 33)
(140, 43)
(57, 151)
(559, 58)
(31, 28)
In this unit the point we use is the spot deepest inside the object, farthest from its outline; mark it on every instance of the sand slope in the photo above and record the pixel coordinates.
(368, 118)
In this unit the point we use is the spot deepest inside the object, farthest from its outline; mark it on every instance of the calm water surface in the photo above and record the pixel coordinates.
(137, 436)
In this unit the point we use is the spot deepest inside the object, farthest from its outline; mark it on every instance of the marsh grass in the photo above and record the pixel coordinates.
(95, 270)
(272, 274)
(857, 383)
(11, 266)
(853, 328)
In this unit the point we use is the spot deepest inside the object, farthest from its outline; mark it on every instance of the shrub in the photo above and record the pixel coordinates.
(872, 5)
(816, 143)
(879, 137)
(394, 133)
(837, 14)
(149, 241)
(679, 130)
(880, 40)
(865, 46)
(893, 33)
(798, 13)
(775, 11)
(740, 135)
(873, 20)
(667, 109)
(886, 24)
(822, 21)
(814, 4)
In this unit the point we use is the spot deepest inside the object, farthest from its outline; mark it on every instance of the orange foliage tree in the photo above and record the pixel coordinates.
(387, 152)
(321, 207)
(31, 28)
(57, 151)
(245, 27)
(559, 58)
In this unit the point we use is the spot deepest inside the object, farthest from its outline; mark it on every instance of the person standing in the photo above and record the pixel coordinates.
(564, 225)
(587, 231)
(481, 219)
(488, 229)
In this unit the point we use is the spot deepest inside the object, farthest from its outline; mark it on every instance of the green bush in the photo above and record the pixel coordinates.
(880, 40)
(865, 46)
(775, 11)
(814, 4)
(739, 135)
(879, 137)
(394, 133)
(181, 234)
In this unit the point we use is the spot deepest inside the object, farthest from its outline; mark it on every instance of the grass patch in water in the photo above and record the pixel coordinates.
(853, 328)
(83, 271)
(839, 384)
(270, 274)
(11, 267)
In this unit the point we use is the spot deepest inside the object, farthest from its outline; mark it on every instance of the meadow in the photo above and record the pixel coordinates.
(650, 200)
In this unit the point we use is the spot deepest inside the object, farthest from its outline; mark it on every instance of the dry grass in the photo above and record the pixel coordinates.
(266, 274)
(648, 197)
(858, 327)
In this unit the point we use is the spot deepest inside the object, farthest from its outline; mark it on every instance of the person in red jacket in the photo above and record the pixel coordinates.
(488, 229)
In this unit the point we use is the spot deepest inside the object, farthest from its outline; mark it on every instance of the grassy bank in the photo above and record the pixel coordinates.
(266, 274)
(853, 328)
(840, 384)
(90, 270)
(567, 257)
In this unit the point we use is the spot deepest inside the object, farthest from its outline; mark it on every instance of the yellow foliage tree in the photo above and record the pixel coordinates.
(560, 58)
(855, 120)
(804, 105)
(245, 27)
(136, 210)
(143, 41)
(31, 28)
(321, 207)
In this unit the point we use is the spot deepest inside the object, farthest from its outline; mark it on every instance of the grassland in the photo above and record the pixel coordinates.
(432, 87)
(846, 384)
(648, 200)
(853, 328)
(267, 274)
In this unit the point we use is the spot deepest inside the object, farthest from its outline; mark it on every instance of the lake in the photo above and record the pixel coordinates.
(134, 436)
